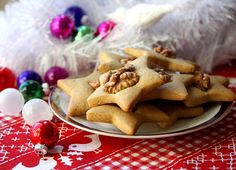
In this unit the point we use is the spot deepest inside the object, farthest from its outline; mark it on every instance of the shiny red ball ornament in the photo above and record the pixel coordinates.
(44, 134)
(7, 78)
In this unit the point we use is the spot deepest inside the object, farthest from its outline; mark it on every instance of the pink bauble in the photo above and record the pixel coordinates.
(62, 27)
(105, 28)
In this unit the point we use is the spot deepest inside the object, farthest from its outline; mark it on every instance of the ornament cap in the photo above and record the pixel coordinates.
(40, 149)
(46, 89)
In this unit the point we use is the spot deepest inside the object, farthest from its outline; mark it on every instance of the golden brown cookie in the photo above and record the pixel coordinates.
(125, 121)
(180, 65)
(109, 61)
(129, 122)
(173, 90)
(222, 80)
(125, 86)
(78, 89)
(216, 92)
(177, 111)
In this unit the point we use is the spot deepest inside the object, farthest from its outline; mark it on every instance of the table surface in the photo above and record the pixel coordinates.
(212, 148)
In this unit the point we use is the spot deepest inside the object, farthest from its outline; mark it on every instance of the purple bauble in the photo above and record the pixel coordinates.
(105, 28)
(55, 73)
(28, 75)
(77, 14)
(62, 27)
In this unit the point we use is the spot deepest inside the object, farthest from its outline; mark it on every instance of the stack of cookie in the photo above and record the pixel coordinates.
(144, 86)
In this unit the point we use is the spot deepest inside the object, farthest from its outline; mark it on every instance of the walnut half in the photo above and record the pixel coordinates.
(164, 51)
(202, 81)
(117, 80)
(164, 75)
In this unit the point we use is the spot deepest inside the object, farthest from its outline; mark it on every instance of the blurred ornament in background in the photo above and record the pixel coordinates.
(11, 102)
(55, 73)
(36, 110)
(31, 89)
(84, 31)
(44, 134)
(46, 89)
(77, 14)
(7, 78)
(62, 27)
(28, 75)
(104, 28)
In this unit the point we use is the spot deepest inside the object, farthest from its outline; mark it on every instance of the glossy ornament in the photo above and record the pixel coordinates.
(7, 78)
(28, 75)
(62, 27)
(84, 31)
(105, 28)
(31, 89)
(36, 110)
(44, 134)
(77, 14)
(46, 89)
(55, 73)
(11, 102)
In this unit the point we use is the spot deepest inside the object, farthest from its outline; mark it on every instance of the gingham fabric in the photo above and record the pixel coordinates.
(210, 149)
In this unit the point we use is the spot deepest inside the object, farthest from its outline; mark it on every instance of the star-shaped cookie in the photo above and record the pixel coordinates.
(78, 89)
(173, 90)
(177, 111)
(143, 80)
(216, 92)
(129, 122)
(180, 65)
(109, 61)
(222, 80)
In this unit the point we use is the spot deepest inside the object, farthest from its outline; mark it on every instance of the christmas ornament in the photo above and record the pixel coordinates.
(31, 89)
(105, 28)
(84, 31)
(36, 110)
(55, 73)
(62, 27)
(28, 75)
(11, 101)
(77, 14)
(46, 89)
(44, 134)
(7, 78)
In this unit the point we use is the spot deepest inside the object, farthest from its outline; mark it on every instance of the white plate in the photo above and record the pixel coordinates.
(59, 100)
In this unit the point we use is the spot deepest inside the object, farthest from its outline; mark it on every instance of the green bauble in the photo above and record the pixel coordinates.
(31, 89)
(84, 32)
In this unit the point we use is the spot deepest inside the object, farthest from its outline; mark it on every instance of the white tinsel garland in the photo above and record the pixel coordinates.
(200, 30)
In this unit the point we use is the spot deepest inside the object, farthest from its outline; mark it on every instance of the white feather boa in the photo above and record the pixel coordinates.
(200, 30)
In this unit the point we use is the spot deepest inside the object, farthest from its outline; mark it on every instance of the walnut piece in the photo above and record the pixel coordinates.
(164, 75)
(164, 51)
(94, 84)
(126, 60)
(202, 81)
(117, 80)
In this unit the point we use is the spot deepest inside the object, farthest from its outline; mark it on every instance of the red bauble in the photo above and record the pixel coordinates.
(7, 78)
(44, 132)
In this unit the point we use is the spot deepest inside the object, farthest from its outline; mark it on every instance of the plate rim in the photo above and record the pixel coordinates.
(224, 111)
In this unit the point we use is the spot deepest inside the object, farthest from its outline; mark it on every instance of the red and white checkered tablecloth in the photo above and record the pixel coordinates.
(212, 148)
